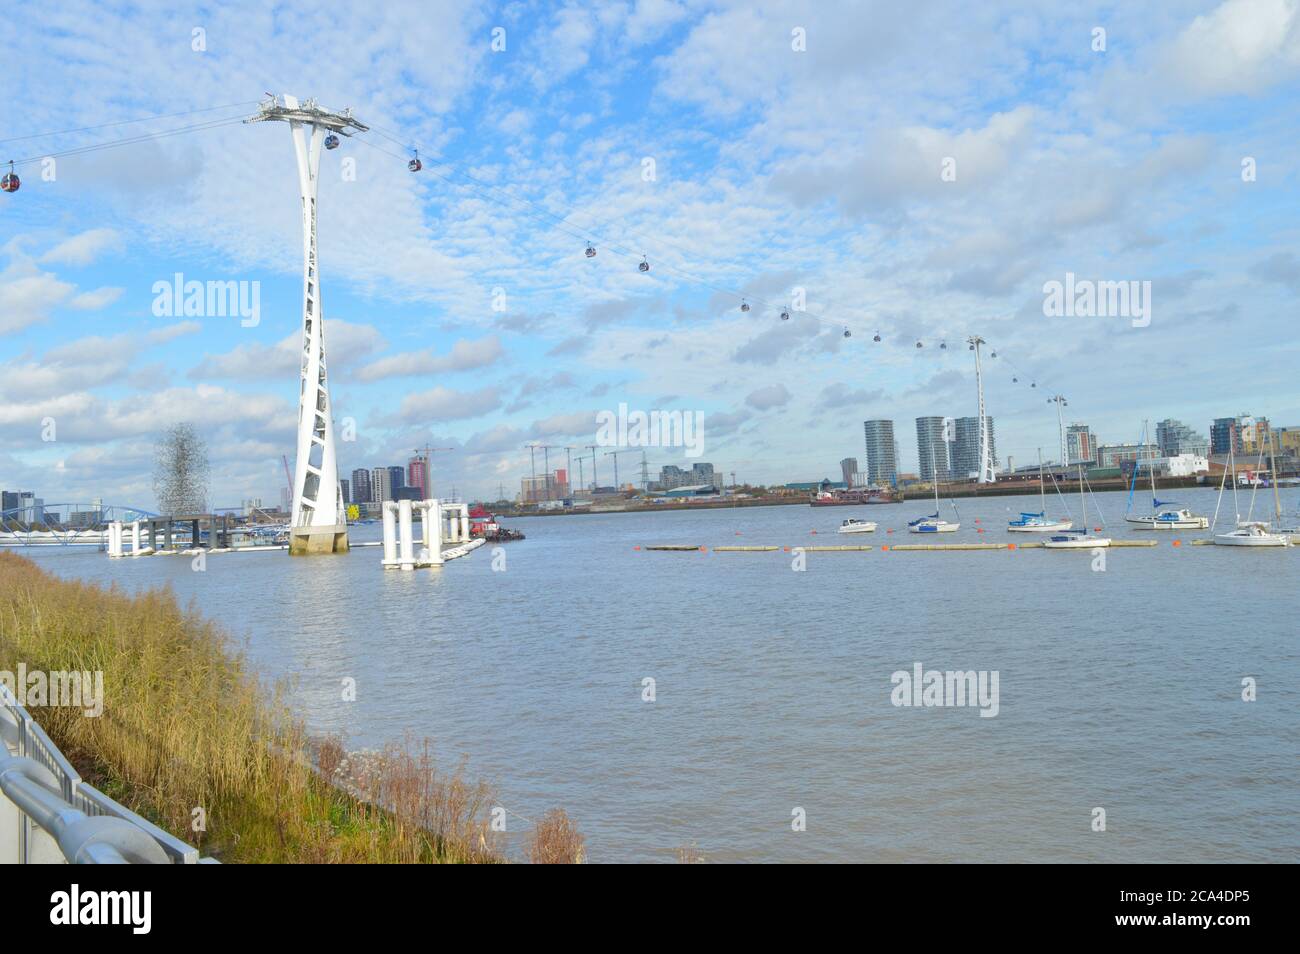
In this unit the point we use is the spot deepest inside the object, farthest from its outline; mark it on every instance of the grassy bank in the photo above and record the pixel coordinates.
(186, 725)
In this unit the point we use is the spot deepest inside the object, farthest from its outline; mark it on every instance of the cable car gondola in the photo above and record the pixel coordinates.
(644, 266)
(847, 333)
(744, 305)
(943, 346)
(591, 250)
(415, 165)
(331, 141)
(876, 336)
(919, 345)
(785, 315)
(10, 182)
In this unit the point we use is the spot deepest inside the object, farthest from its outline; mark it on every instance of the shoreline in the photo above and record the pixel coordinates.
(1027, 488)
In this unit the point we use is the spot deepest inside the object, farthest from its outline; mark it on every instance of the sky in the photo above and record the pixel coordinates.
(919, 171)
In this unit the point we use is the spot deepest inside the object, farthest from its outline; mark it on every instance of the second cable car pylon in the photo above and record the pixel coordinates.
(319, 522)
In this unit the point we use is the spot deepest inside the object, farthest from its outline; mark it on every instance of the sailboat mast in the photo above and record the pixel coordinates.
(934, 473)
(1042, 491)
(1083, 501)
(1272, 466)
(1146, 431)
(1232, 466)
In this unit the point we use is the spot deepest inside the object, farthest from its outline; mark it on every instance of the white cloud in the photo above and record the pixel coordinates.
(1241, 46)
(768, 397)
(444, 404)
(27, 298)
(464, 356)
(85, 248)
(95, 300)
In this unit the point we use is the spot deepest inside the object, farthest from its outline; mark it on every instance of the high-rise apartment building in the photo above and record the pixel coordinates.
(417, 475)
(1225, 435)
(1080, 444)
(882, 456)
(361, 486)
(965, 454)
(1175, 437)
(932, 449)
(381, 484)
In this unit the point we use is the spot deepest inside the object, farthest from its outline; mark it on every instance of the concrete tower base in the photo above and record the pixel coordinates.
(306, 541)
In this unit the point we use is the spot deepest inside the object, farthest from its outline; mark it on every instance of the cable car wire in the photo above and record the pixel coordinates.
(125, 122)
(561, 223)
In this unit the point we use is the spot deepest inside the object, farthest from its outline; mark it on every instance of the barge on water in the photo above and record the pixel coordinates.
(853, 498)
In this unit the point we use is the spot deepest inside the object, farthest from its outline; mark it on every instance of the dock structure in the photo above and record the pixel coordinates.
(444, 529)
(162, 532)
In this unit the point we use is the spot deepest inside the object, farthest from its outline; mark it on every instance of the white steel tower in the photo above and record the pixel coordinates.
(986, 475)
(319, 522)
(1061, 402)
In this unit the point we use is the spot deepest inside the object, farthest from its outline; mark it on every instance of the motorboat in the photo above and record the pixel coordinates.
(854, 525)
(1180, 519)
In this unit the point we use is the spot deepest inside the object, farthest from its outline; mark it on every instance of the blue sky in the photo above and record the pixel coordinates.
(775, 168)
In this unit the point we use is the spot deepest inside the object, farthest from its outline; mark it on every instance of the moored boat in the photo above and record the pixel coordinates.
(854, 525)
(1251, 533)
(1039, 522)
(1078, 539)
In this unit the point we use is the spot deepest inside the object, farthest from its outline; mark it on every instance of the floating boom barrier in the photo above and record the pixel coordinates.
(1033, 545)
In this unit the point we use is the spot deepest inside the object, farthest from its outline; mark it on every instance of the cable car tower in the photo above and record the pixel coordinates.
(986, 475)
(319, 522)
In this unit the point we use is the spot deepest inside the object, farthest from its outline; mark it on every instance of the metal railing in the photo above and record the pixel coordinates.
(50, 815)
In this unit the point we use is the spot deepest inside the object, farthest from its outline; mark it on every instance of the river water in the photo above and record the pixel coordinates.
(1119, 688)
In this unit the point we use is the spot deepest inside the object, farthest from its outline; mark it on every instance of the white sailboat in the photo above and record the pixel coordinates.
(854, 525)
(1039, 522)
(933, 523)
(1164, 518)
(1249, 532)
(1077, 539)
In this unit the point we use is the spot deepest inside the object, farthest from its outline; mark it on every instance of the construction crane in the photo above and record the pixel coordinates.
(614, 454)
(288, 480)
(427, 457)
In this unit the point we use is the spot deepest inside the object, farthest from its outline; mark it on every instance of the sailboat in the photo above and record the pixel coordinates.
(1077, 539)
(933, 523)
(1249, 532)
(1163, 518)
(1039, 522)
